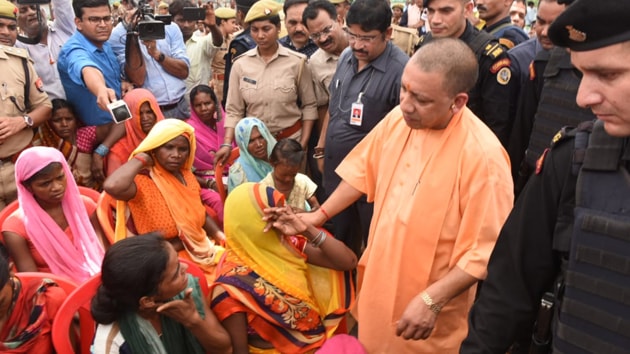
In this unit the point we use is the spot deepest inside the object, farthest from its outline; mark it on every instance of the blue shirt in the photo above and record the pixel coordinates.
(166, 88)
(76, 54)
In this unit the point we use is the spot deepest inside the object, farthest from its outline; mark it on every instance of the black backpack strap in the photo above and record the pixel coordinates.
(27, 85)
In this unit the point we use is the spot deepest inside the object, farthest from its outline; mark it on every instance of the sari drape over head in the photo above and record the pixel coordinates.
(290, 303)
(135, 99)
(208, 139)
(184, 203)
(255, 169)
(78, 259)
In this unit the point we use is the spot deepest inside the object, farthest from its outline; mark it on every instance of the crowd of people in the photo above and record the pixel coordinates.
(437, 176)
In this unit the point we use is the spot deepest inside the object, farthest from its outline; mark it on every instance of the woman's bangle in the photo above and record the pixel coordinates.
(319, 240)
(318, 155)
(324, 212)
(102, 150)
(141, 159)
(209, 182)
(226, 145)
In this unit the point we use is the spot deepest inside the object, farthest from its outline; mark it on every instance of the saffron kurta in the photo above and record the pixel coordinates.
(440, 198)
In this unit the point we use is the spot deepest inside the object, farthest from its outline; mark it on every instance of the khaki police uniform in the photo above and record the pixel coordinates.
(12, 104)
(278, 92)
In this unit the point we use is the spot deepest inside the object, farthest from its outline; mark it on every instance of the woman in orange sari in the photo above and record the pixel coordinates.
(145, 112)
(277, 293)
(162, 193)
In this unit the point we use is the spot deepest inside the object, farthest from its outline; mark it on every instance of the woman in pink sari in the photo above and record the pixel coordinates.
(206, 117)
(145, 112)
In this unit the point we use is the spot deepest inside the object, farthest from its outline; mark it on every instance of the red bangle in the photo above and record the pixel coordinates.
(324, 212)
(141, 159)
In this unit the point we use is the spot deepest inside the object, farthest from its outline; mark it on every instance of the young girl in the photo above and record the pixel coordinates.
(286, 159)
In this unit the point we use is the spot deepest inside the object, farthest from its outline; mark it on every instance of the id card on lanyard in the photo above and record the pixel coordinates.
(356, 113)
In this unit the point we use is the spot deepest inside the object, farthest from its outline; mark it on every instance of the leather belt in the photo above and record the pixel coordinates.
(220, 77)
(168, 107)
(287, 132)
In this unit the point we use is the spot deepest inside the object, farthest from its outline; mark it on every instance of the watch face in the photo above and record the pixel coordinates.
(28, 120)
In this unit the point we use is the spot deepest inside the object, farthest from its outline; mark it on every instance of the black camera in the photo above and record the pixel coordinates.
(150, 26)
(33, 2)
(193, 13)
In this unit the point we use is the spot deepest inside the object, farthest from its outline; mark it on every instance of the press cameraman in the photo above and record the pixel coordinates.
(153, 56)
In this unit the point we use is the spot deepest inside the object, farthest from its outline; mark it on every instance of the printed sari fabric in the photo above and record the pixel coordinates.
(289, 303)
(28, 329)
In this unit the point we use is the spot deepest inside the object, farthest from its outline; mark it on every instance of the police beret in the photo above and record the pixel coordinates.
(339, 1)
(398, 6)
(163, 5)
(262, 10)
(246, 3)
(8, 10)
(587, 24)
(225, 13)
(116, 4)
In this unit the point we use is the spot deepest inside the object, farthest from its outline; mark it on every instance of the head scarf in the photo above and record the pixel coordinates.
(78, 259)
(208, 140)
(135, 99)
(183, 202)
(255, 169)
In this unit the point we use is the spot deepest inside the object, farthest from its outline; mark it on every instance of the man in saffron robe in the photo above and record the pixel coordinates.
(441, 186)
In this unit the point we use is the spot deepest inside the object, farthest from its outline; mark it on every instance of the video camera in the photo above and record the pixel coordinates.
(150, 26)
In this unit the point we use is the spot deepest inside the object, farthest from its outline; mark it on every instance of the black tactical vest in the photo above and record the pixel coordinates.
(594, 315)
(557, 107)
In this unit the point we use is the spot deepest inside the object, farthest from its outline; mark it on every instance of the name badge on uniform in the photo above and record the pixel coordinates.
(251, 81)
(356, 113)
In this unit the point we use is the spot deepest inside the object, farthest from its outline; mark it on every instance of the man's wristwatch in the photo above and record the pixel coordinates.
(161, 58)
(28, 120)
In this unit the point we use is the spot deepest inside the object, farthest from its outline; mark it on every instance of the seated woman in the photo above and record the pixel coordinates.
(277, 291)
(206, 116)
(147, 303)
(299, 191)
(61, 132)
(55, 229)
(255, 143)
(27, 310)
(163, 195)
(145, 112)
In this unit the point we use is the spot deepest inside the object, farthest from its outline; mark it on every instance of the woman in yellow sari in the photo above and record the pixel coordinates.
(158, 186)
(277, 293)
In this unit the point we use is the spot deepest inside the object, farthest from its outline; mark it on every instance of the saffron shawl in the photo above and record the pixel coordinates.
(184, 203)
(78, 259)
(134, 136)
(293, 305)
(255, 169)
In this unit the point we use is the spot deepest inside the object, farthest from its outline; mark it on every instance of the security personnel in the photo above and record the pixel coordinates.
(226, 18)
(270, 82)
(23, 103)
(241, 43)
(490, 99)
(560, 271)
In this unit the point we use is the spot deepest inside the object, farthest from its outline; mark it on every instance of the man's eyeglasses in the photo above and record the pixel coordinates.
(355, 38)
(324, 33)
(95, 20)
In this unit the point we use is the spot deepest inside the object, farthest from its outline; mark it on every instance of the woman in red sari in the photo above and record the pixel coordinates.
(27, 309)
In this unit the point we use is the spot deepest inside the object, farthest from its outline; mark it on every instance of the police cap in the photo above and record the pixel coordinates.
(263, 9)
(245, 4)
(163, 5)
(8, 10)
(398, 6)
(339, 1)
(225, 13)
(587, 25)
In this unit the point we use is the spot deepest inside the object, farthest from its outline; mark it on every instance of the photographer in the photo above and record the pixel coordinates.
(159, 65)
(200, 49)
(43, 41)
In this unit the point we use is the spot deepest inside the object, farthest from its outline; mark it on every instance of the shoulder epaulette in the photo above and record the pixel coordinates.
(18, 52)
(493, 50)
(562, 135)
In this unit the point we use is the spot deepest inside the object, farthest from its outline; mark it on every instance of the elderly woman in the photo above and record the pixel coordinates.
(162, 194)
(27, 309)
(270, 82)
(147, 303)
(145, 112)
(55, 229)
(255, 144)
(279, 291)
